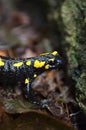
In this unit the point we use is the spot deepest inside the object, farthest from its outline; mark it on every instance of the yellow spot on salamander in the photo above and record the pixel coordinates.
(47, 67)
(39, 64)
(35, 75)
(1, 63)
(44, 53)
(18, 64)
(55, 53)
(28, 63)
(26, 81)
(52, 59)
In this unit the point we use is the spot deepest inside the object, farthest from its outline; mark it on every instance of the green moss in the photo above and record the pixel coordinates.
(70, 16)
(74, 19)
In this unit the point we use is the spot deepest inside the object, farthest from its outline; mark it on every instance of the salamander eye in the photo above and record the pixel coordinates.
(55, 62)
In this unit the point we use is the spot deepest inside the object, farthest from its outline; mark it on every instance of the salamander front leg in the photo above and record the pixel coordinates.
(29, 92)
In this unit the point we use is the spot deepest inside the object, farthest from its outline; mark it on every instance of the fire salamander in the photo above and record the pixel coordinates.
(24, 71)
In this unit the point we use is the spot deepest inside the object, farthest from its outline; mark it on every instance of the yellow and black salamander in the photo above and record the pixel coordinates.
(24, 71)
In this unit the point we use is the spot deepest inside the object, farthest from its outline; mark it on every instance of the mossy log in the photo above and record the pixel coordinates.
(73, 20)
(70, 16)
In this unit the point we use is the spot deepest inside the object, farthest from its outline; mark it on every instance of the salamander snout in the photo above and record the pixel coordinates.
(58, 61)
(55, 60)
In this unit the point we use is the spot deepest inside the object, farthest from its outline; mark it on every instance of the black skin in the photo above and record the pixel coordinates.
(10, 75)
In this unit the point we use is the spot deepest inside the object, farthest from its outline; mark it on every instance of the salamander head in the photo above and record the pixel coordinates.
(43, 62)
(48, 61)
(53, 60)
